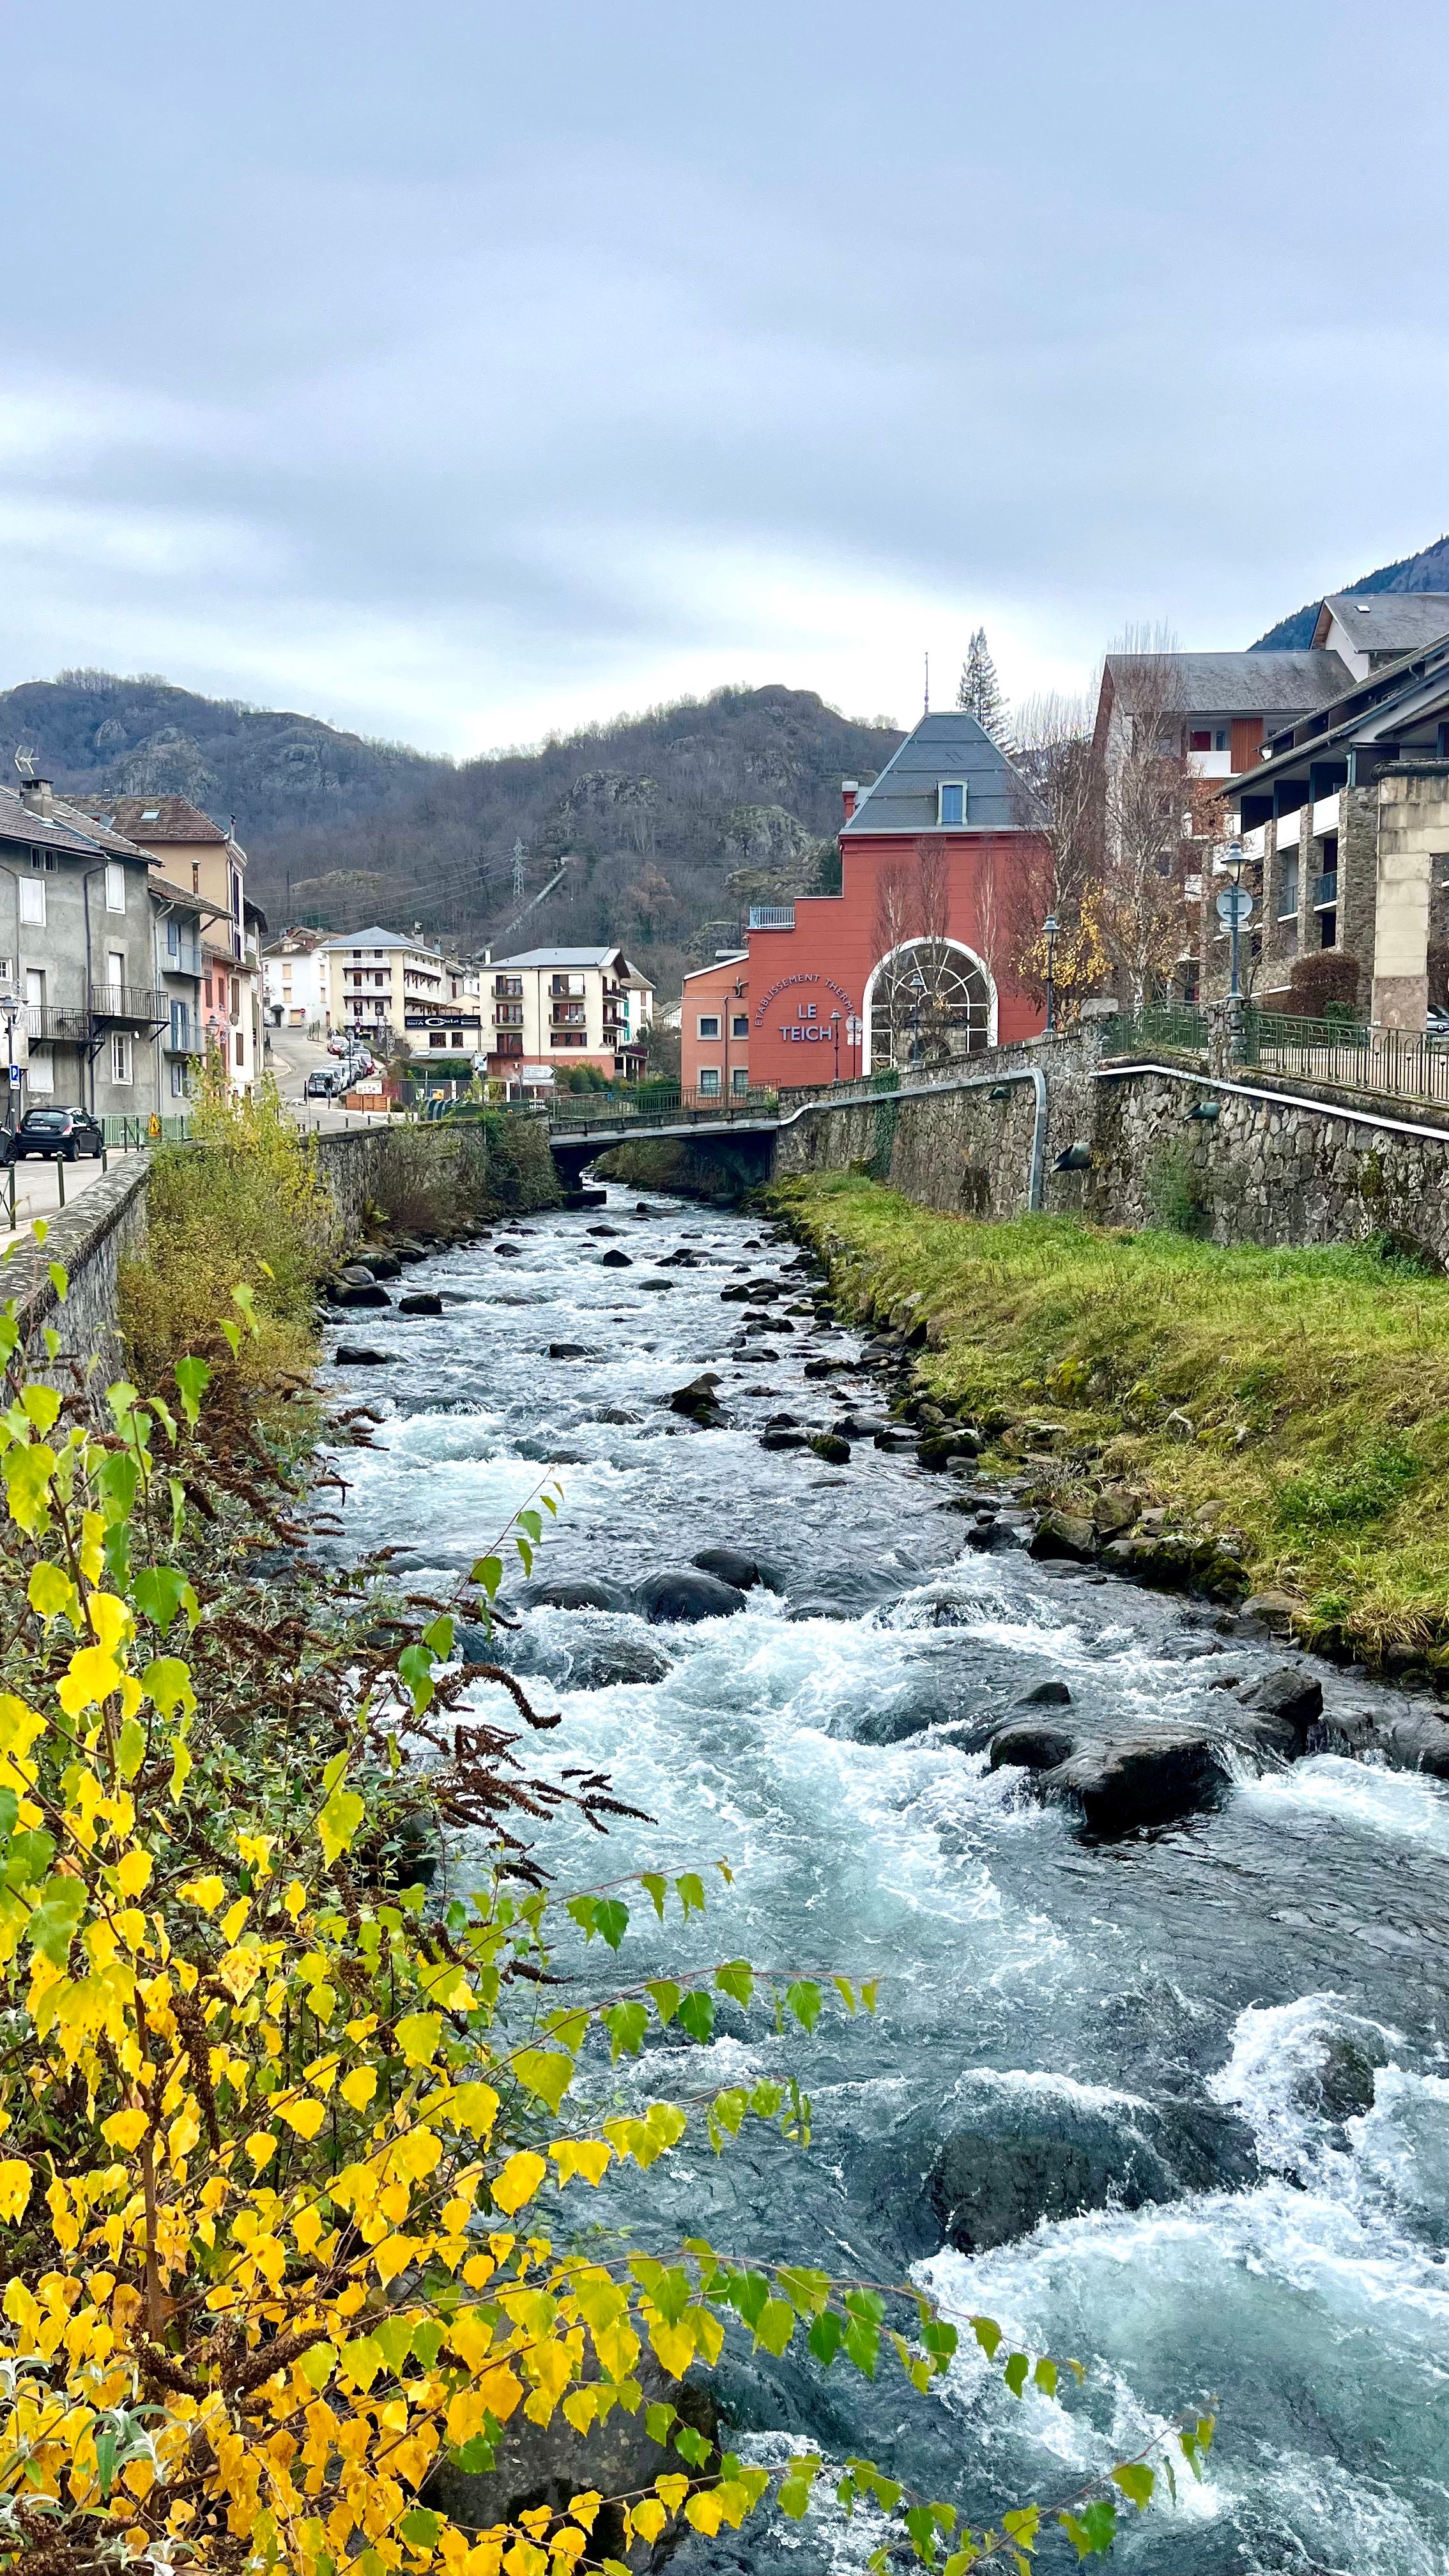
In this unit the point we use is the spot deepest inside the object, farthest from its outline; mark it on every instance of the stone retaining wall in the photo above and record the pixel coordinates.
(1283, 1162)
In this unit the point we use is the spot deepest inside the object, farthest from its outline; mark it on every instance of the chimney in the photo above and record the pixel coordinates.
(36, 796)
(850, 789)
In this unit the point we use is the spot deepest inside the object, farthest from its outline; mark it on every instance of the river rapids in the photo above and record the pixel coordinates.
(1245, 2013)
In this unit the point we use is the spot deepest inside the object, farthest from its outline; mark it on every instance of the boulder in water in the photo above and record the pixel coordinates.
(728, 1565)
(782, 1439)
(699, 1401)
(584, 1592)
(420, 1301)
(1138, 1776)
(830, 1446)
(1046, 1695)
(509, 1251)
(356, 1292)
(681, 1595)
(1028, 2155)
(941, 1448)
(1064, 1535)
(358, 1355)
(604, 1662)
(573, 1351)
(1289, 1693)
(1031, 1746)
(383, 1265)
(615, 1260)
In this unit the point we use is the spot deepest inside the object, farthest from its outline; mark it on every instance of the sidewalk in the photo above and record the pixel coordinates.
(38, 1187)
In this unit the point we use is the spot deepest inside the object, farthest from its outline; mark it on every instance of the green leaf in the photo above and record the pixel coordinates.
(52, 1926)
(803, 2000)
(545, 2072)
(193, 1377)
(531, 1525)
(939, 2340)
(130, 1748)
(489, 1572)
(157, 1592)
(775, 2325)
(808, 2292)
(581, 1910)
(524, 1550)
(826, 2337)
(59, 1279)
(611, 1920)
(231, 1334)
(1136, 2482)
(419, 2528)
(796, 2485)
(691, 2446)
(696, 2015)
(736, 1979)
(626, 2025)
(1015, 2372)
(1045, 2376)
(415, 1668)
(690, 1891)
(1092, 2536)
(666, 1998)
(439, 1635)
(655, 1888)
(988, 2335)
(394, 2340)
(861, 2345)
(41, 1403)
(657, 2420)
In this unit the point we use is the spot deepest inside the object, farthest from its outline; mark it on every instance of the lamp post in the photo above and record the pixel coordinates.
(1230, 863)
(918, 988)
(10, 1012)
(835, 1033)
(1050, 927)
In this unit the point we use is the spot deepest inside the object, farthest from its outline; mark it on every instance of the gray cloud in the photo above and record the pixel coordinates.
(455, 372)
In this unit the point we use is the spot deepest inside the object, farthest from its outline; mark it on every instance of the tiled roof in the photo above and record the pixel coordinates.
(1250, 684)
(159, 818)
(564, 958)
(1390, 621)
(64, 828)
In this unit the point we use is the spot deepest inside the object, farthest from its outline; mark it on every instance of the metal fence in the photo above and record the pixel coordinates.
(1394, 1062)
(130, 1134)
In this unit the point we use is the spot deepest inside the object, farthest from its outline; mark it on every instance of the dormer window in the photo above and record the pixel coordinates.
(951, 803)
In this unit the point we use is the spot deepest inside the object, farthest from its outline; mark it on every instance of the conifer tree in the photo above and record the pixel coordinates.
(980, 692)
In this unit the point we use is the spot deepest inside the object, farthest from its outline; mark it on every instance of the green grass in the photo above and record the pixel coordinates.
(1315, 1383)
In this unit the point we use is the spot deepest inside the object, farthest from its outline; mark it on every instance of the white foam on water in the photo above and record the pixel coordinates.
(1279, 2052)
(1360, 1795)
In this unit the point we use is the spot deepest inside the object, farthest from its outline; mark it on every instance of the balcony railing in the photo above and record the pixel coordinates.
(1325, 891)
(54, 1024)
(184, 959)
(1288, 899)
(184, 1035)
(136, 1004)
(772, 916)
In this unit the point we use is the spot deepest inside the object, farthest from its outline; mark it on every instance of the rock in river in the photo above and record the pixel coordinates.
(588, 1592)
(420, 1301)
(1036, 2154)
(682, 1594)
(615, 1260)
(358, 1355)
(729, 1566)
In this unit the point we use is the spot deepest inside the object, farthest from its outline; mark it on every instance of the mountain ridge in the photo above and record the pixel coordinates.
(1427, 570)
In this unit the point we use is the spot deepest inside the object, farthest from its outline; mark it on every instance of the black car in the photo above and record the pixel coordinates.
(55, 1133)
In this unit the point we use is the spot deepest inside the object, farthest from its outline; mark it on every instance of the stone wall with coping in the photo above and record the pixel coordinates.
(1284, 1162)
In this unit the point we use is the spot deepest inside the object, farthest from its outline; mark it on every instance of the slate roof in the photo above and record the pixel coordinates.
(1388, 621)
(948, 746)
(1248, 684)
(377, 937)
(175, 819)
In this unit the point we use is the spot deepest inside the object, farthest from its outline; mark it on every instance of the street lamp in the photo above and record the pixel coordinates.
(1230, 863)
(1050, 926)
(10, 1010)
(918, 990)
(835, 1033)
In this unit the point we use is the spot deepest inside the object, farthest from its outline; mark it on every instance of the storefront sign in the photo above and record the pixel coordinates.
(806, 1022)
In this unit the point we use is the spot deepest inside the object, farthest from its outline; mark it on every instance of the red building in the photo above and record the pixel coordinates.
(943, 881)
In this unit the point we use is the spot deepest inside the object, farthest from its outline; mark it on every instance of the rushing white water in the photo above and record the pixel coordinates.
(1239, 2022)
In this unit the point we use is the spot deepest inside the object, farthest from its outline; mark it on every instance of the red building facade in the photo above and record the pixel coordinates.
(943, 882)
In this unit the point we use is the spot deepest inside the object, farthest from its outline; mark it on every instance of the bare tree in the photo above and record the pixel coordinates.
(897, 895)
(1062, 801)
(1148, 794)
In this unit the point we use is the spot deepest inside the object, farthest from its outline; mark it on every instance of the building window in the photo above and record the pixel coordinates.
(32, 902)
(951, 802)
(120, 1057)
(510, 1043)
(457, 1038)
(709, 1024)
(508, 1015)
(437, 1037)
(1200, 741)
(571, 985)
(740, 1024)
(739, 1080)
(568, 1037)
(43, 859)
(115, 886)
(508, 988)
(240, 1050)
(40, 1073)
(708, 1080)
(35, 988)
(1288, 890)
(1328, 930)
(178, 1082)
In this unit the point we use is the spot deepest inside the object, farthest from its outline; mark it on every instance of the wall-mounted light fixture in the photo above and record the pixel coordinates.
(1208, 1111)
(1000, 1091)
(1076, 1158)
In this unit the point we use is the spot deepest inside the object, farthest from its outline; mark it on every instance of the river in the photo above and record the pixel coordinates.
(1216, 2001)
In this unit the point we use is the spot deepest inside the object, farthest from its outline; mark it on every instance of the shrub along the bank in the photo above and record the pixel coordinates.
(1304, 1394)
(296, 2149)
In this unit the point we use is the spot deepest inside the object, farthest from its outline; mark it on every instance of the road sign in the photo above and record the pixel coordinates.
(15, 1077)
(1235, 905)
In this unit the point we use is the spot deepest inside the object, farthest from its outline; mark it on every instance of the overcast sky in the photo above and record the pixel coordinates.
(457, 372)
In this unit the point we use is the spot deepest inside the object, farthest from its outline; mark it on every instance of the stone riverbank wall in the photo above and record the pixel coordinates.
(1275, 1161)
(411, 1173)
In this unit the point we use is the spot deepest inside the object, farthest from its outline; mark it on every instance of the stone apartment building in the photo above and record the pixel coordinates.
(1344, 826)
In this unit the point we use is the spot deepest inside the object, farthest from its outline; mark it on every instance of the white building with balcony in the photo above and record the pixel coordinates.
(400, 995)
(551, 1009)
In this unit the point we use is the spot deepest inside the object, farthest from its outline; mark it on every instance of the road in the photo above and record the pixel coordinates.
(290, 1058)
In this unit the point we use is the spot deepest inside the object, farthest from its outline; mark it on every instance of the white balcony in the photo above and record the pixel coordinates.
(1287, 829)
(1210, 764)
(1255, 843)
(1325, 814)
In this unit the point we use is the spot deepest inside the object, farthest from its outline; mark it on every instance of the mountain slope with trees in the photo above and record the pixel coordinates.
(1427, 570)
(657, 814)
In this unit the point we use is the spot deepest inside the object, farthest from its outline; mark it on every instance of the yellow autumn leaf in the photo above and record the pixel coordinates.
(133, 1871)
(704, 2510)
(587, 2156)
(518, 2181)
(358, 2088)
(261, 2146)
(648, 2519)
(255, 1851)
(338, 1822)
(19, 1726)
(305, 2117)
(671, 2490)
(90, 1677)
(205, 1892)
(52, 1593)
(14, 2187)
(124, 2129)
(110, 1620)
(233, 1919)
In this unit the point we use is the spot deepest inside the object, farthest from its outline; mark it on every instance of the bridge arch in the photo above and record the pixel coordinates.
(928, 1003)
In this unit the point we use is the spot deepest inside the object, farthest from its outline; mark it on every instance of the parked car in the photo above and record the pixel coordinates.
(60, 1134)
(321, 1086)
(1436, 1027)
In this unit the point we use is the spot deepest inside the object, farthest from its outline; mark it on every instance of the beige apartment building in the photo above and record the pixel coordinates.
(400, 996)
(552, 1008)
(194, 855)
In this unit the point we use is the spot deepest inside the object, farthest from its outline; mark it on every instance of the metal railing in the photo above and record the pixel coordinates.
(1325, 890)
(772, 916)
(183, 959)
(58, 1022)
(131, 1134)
(183, 1035)
(1397, 1063)
(1179, 1026)
(138, 1002)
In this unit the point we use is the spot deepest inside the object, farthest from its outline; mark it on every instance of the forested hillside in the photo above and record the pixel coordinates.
(1427, 570)
(656, 813)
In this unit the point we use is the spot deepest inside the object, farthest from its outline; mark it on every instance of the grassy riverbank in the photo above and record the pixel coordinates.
(1301, 1398)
